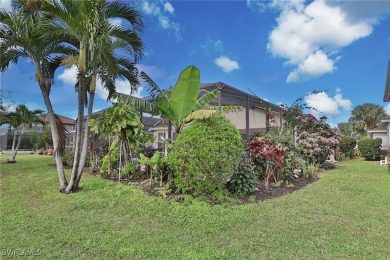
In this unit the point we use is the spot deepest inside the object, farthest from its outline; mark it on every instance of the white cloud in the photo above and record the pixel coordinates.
(153, 72)
(213, 45)
(226, 64)
(255, 5)
(307, 36)
(323, 104)
(161, 10)
(122, 86)
(313, 66)
(69, 75)
(169, 8)
(5, 4)
(116, 21)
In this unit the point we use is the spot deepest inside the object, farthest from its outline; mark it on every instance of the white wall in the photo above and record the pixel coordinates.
(384, 137)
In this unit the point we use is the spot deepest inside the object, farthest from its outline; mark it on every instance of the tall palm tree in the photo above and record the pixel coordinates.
(24, 36)
(87, 24)
(367, 116)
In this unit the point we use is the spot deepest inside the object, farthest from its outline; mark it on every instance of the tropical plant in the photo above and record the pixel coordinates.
(180, 105)
(367, 116)
(154, 165)
(244, 179)
(205, 155)
(122, 121)
(270, 155)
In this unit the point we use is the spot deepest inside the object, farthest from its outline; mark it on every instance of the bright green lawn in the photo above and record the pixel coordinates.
(344, 215)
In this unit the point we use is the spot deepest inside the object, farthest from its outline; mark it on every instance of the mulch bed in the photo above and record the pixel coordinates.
(260, 194)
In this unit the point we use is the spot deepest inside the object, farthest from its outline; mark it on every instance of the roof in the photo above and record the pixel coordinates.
(386, 96)
(235, 97)
(382, 128)
(230, 96)
(65, 120)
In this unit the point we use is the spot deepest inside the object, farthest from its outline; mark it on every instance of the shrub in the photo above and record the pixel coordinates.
(244, 179)
(205, 155)
(68, 157)
(316, 139)
(347, 144)
(315, 148)
(269, 155)
(370, 148)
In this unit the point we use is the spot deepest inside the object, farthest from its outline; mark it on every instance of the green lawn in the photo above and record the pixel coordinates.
(344, 215)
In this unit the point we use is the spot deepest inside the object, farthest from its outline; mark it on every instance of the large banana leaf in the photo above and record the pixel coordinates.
(184, 94)
(199, 115)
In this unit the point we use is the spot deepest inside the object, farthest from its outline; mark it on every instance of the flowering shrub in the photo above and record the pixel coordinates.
(316, 148)
(316, 140)
(271, 155)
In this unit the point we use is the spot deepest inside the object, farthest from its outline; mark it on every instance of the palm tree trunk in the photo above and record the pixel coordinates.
(84, 150)
(13, 143)
(55, 137)
(80, 120)
(13, 158)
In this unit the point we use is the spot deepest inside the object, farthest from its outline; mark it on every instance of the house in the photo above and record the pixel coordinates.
(383, 131)
(251, 119)
(7, 136)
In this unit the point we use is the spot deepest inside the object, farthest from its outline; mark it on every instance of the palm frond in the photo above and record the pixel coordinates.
(142, 104)
(153, 89)
(61, 135)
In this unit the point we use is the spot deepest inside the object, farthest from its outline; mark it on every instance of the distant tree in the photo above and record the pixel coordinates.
(22, 117)
(345, 128)
(367, 116)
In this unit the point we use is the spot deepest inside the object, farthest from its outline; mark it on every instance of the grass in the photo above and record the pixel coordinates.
(344, 215)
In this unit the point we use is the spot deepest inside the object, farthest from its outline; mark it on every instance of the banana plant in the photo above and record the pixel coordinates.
(181, 104)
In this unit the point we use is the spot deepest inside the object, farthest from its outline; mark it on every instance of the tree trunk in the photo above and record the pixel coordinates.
(13, 143)
(80, 120)
(13, 157)
(55, 137)
(84, 150)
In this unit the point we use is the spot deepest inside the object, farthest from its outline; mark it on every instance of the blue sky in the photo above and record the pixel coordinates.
(279, 50)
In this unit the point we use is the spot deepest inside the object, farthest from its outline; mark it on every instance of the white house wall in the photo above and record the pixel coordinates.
(257, 119)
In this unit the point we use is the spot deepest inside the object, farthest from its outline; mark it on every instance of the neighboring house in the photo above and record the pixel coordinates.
(383, 131)
(7, 136)
(251, 119)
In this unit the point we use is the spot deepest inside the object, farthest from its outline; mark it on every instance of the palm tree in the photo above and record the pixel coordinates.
(367, 116)
(26, 118)
(24, 36)
(181, 105)
(87, 24)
